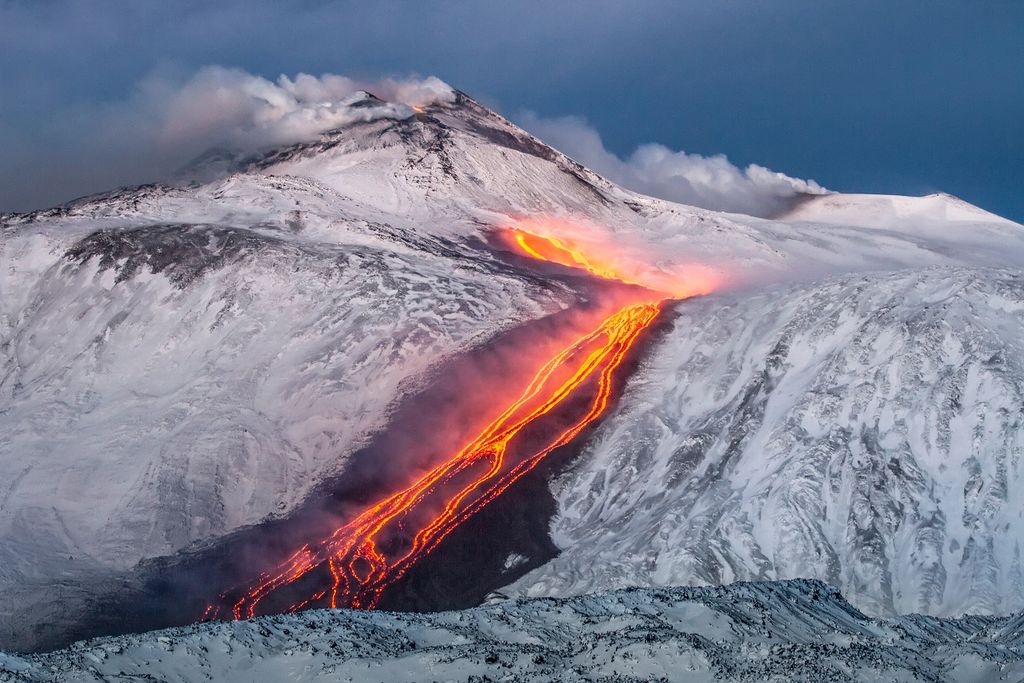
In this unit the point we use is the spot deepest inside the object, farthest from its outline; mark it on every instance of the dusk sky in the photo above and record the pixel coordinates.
(896, 97)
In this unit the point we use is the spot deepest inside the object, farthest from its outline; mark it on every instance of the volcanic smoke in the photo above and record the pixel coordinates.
(359, 560)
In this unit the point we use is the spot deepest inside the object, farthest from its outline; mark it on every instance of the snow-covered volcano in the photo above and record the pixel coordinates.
(180, 362)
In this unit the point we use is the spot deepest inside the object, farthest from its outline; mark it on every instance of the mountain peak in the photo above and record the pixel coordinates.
(363, 99)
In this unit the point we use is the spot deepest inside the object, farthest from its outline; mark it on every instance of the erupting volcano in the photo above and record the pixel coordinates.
(422, 359)
(359, 560)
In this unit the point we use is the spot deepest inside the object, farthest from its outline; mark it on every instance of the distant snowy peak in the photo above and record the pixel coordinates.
(365, 100)
(891, 211)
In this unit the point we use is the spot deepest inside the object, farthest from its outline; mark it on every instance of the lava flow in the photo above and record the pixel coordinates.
(359, 560)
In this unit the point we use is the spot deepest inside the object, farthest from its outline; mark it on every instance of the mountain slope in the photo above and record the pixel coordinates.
(167, 383)
(867, 431)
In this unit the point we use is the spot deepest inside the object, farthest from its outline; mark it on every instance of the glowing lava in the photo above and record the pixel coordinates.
(610, 257)
(354, 565)
(556, 251)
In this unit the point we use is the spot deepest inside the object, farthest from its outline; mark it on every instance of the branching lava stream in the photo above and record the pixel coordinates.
(359, 560)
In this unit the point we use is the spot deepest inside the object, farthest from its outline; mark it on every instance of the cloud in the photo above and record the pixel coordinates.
(168, 121)
(711, 182)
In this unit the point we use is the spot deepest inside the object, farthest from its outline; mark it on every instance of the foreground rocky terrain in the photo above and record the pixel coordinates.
(786, 631)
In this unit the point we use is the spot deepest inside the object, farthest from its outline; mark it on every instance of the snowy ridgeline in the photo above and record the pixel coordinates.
(796, 630)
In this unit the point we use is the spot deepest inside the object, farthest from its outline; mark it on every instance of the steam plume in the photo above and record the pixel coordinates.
(711, 182)
(235, 108)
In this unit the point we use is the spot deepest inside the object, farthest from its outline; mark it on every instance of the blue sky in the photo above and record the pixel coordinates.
(901, 97)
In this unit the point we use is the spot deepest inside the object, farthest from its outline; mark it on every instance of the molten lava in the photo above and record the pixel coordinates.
(610, 257)
(359, 560)
(557, 251)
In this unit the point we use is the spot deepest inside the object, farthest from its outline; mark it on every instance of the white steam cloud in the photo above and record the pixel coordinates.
(711, 182)
(242, 111)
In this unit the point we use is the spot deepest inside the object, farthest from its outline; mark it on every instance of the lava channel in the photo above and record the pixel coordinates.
(358, 561)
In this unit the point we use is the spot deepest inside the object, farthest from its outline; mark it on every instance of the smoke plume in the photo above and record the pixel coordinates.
(245, 112)
(168, 121)
(710, 182)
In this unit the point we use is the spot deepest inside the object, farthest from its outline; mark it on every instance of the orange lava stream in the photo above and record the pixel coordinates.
(372, 551)
(556, 251)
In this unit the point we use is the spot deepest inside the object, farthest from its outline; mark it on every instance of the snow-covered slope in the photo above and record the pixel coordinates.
(894, 212)
(794, 631)
(219, 387)
(864, 430)
(178, 362)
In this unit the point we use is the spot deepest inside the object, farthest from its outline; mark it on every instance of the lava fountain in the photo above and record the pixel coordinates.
(359, 560)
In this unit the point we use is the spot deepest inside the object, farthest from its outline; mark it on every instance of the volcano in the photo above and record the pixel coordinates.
(835, 393)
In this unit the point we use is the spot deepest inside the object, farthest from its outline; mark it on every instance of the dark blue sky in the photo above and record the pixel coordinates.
(902, 97)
